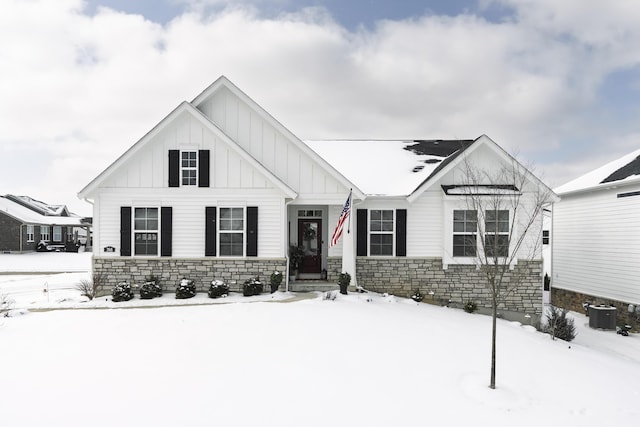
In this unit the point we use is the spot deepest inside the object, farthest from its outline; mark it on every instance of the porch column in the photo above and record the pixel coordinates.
(349, 249)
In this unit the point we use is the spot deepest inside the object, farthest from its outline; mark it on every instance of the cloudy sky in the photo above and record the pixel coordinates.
(555, 82)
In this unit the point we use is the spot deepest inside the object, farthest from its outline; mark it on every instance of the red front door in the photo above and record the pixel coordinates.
(310, 239)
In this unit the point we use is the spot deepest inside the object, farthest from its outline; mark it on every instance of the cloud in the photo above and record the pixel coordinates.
(78, 90)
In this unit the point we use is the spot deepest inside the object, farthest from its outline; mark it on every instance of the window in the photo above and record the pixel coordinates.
(545, 237)
(189, 167)
(497, 233)
(309, 213)
(231, 226)
(30, 233)
(381, 232)
(465, 226)
(145, 225)
(57, 233)
(44, 233)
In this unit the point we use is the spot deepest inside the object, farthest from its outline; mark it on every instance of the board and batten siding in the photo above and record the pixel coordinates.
(148, 168)
(189, 218)
(596, 244)
(276, 150)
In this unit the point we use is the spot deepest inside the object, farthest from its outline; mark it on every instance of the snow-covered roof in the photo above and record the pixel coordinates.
(31, 216)
(38, 206)
(388, 167)
(624, 170)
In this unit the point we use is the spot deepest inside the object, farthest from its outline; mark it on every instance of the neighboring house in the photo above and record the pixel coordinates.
(26, 223)
(219, 189)
(596, 239)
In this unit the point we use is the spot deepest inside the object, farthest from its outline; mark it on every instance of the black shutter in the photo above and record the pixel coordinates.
(203, 168)
(401, 232)
(125, 231)
(252, 231)
(166, 230)
(174, 168)
(361, 238)
(210, 231)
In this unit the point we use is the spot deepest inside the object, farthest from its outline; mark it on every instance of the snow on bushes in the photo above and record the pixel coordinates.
(186, 289)
(218, 289)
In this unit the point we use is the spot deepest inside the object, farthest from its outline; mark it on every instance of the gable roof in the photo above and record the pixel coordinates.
(469, 147)
(330, 168)
(184, 107)
(18, 208)
(39, 207)
(388, 167)
(622, 171)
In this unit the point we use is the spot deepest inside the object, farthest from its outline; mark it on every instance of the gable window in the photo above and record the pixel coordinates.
(44, 233)
(30, 233)
(57, 233)
(381, 232)
(465, 226)
(145, 226)
(189, 167)
(496, 233)
(231, 231)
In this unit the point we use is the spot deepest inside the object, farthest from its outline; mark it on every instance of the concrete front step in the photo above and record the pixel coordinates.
(312, 285)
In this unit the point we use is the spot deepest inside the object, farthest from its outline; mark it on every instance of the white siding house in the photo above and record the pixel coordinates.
(596, 239)
(219, 189)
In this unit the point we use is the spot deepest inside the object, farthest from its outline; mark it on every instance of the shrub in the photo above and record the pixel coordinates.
(185, 289)
(470, 306)
(330, 295)
(89, 287)
(252, 286)
(417, 296)
(558, 325)
(121, 292)
(274, 281)
(150, 289)
(218, 289)
(6, 304)
(344, 279)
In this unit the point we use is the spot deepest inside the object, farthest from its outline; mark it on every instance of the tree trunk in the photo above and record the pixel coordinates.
(494, 315)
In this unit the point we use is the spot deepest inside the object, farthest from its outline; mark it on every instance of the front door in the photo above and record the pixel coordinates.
(310, 239)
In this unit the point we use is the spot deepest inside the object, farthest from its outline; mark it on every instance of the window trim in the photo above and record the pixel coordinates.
(135, 231)
(474, 234)
(189, 168)
(44, 233)
(57, 232)
(391, 233)
(220, 231)
(30, 233)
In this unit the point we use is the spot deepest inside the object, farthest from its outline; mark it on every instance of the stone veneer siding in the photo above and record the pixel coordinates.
(573, 301)
(454, 286)
(202, 271)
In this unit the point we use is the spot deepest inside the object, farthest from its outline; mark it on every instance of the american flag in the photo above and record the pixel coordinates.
(346, 211)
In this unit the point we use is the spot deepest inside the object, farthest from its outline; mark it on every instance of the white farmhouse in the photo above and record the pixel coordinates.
(219, 189)
(596, 239)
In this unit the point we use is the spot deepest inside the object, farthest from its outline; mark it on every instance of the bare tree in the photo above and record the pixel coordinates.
(507, 205)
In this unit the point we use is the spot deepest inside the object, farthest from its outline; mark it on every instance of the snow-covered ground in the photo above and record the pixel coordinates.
(361, 360)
